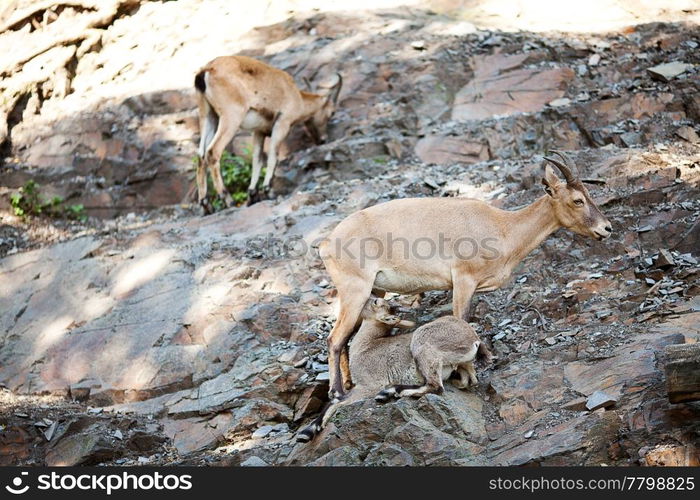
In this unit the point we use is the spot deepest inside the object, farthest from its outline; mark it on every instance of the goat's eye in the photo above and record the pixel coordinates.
(578, 203)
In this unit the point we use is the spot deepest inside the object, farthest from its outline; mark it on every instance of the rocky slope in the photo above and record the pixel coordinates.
(187, 339)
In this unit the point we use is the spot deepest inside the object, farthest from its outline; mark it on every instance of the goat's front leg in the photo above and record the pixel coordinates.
(353, 297)
(279, 134)
(258, 143)
(463, 288)
(345, 369)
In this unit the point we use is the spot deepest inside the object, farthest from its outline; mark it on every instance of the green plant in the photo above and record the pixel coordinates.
(236, 172)
(28, 200)
(76, 212)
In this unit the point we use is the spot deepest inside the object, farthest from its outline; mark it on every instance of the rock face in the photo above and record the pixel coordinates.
(202, 339)
(501, 87)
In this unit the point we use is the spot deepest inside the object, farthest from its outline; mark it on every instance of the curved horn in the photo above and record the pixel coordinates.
(564, 168)
(568, 161)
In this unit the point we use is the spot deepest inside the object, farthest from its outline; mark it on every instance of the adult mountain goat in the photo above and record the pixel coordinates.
(237, 92)
(414, 245)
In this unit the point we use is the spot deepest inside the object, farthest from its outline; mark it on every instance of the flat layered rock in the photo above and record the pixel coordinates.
(499, 89)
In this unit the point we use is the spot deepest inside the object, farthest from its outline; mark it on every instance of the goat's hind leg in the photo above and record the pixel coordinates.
(432, 374)
(467, 376)
(319, 423)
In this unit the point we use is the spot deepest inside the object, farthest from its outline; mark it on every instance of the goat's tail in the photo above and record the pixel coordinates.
(208, 119)
(199, 82)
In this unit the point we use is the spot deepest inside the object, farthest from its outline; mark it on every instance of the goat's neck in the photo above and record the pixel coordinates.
(369, 331)
(528, 227)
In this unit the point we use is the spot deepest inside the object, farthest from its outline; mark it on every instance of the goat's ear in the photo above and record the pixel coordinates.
(550, 180)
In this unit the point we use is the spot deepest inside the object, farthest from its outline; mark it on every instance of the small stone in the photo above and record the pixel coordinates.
(262, 432)
(254, 461)
(418, 45)
(551, 340)
(578, 404)
(686, 257)
(302, 362)
(319, 367)
(669, 71)
(528, 434)
(561, 102)
(282, 427)
(118, 435)
(688, 134)
(144, 460)
(431, 183)
(644, 229)
(49, 433)
(599, 399)
(664, 259)
(21, 415)
(499, 336)
(323, 376)
(594, 60)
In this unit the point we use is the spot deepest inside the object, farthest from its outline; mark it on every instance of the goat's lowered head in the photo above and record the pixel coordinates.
(382, 311)
(317, 125)
(573, 206)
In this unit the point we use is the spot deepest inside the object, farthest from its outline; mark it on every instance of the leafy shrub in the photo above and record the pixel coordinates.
(28, 201)
(236, 171)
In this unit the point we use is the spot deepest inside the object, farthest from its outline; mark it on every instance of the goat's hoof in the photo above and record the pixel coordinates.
(253, 197)
(336, 395)
(228, 200)
(206, 207)
(305, 435)
(386, 395)
(267, 193)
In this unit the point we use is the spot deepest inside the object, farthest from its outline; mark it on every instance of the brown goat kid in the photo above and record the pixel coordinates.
(471, 247)
(238, 92)
(414, 364)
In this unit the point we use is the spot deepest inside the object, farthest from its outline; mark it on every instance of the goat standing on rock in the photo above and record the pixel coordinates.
(237, 92)
(406, 364)
(471, 247)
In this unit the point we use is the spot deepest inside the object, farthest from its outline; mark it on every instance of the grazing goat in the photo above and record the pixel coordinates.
(414, 245)
(237, 92)
(394, 366)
